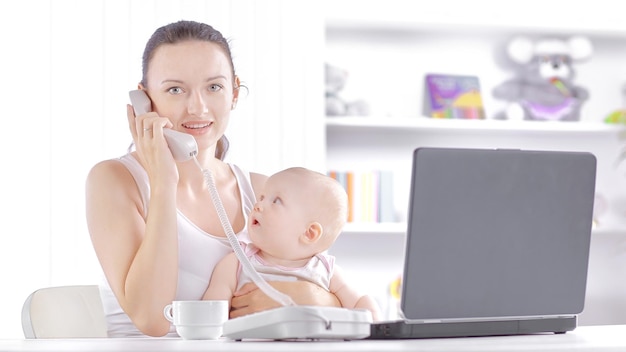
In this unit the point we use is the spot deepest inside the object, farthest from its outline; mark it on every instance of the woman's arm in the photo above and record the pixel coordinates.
(138, 256)
(250, 299)
(223, 279)
(139, 259)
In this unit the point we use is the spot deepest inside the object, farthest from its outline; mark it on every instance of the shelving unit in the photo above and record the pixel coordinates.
(388, 47)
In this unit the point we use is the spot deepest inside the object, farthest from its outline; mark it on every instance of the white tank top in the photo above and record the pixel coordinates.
(198, 252)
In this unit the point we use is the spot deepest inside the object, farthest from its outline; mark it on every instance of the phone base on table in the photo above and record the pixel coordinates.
(301, 323)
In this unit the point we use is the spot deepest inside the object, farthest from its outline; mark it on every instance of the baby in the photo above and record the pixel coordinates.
(298, 217)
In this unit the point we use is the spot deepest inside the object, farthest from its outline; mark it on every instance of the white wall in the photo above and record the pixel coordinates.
(67, 67)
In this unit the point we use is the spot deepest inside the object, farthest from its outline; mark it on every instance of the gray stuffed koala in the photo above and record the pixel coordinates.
(544, 87)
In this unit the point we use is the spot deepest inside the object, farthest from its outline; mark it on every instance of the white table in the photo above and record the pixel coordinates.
(586, 338)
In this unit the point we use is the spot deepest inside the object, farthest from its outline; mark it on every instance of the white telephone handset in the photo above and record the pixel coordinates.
(182, 145)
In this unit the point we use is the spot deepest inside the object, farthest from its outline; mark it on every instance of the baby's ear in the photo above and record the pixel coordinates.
(313, 233)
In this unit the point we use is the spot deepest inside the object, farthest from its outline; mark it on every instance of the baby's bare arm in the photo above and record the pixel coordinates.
(224, 279)
(350, 297)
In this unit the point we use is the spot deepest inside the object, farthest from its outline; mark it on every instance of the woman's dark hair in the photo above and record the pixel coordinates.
(188, 30)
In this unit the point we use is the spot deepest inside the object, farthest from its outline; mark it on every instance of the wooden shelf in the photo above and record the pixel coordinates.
(414, 39)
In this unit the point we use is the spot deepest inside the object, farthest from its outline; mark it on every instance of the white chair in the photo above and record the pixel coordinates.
(64, 312)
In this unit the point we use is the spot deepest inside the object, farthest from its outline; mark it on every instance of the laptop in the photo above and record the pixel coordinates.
(497, 243)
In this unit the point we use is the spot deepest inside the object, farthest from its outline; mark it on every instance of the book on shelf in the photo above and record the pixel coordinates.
(370, 194)
(453, 96)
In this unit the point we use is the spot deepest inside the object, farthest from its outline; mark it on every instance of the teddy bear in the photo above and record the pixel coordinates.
(544, 88)
(335, 81)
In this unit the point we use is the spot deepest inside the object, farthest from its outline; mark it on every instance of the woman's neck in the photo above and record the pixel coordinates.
(190, 172)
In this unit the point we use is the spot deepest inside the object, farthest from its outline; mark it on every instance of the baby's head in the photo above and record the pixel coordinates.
(300, 213)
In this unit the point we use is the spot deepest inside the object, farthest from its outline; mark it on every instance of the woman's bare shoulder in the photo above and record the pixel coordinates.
(111, 189)
(257, 180)
(106, 169)
(109, 174)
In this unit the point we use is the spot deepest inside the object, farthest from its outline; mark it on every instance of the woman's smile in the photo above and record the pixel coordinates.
(197, 128)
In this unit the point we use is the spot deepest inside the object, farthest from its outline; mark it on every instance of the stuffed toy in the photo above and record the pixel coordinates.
(336, 79)
(544, 88)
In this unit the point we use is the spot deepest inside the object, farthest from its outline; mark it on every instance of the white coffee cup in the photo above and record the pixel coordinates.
(198, 320)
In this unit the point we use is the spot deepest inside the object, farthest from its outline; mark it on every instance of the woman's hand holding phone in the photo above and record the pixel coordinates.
(147, 129)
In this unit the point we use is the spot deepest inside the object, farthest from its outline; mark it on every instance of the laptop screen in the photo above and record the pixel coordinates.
(497, 233)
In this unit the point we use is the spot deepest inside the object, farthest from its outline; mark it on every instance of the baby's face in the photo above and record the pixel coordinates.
(280, 216)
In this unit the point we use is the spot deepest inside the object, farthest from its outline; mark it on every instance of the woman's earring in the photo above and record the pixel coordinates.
(232, 107)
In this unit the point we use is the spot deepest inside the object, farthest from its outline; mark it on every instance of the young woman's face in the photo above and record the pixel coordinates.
(191, 83)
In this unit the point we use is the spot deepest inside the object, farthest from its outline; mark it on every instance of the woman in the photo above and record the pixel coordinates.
(151, 220)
